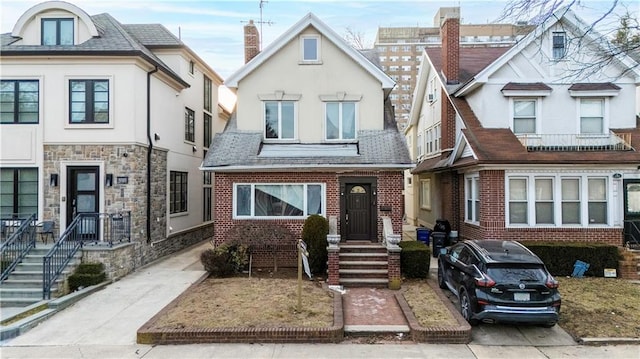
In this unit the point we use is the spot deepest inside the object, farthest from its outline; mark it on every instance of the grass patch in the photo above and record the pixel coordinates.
(600, 307)
(426, 305)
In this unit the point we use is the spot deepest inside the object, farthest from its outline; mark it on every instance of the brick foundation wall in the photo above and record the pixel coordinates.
(389, 194)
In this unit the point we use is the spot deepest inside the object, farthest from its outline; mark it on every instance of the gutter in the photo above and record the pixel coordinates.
(149, 152)
(308, 167)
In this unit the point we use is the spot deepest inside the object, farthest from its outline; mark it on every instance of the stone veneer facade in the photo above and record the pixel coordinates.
(130, 161)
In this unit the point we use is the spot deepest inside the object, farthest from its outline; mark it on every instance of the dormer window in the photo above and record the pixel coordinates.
(559, 45)
(310, 47)
(57, 32)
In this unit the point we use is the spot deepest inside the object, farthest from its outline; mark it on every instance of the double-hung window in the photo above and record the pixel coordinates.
(524, 116)
(57, 32)
(178, 184)
(89, 101)
(425, 193)
(518, 207)
(472, 198)
(559, 44)
(18, 191)
(280, 120)
(597, 200)
(208, 86)
(258, 200)
(19, 101)
(592, 116)
(544, 201)
(189, 125)
(570, 200)
(340, 120)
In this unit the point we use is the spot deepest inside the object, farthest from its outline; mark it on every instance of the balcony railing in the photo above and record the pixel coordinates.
(576, 142)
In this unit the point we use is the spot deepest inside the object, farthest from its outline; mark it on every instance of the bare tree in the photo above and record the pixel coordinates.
(356, 39)
(613, 31)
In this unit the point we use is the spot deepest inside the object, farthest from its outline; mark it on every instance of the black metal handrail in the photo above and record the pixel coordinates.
(86, 228)
(632, 233)
(18, 244)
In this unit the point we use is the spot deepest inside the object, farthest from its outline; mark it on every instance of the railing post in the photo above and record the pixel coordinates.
(333, 262)
(391, 241)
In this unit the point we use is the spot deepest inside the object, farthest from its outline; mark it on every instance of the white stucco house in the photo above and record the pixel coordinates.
(512, 143)
(104, 117)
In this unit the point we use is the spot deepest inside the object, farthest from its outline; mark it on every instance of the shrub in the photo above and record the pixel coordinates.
(314, 234)
(415, 259)
(225, 260)
(560, 257)
(86, 275)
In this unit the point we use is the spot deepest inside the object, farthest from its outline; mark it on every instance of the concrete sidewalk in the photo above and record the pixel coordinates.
(104, 325)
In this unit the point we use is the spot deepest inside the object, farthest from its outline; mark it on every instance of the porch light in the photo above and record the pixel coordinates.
(108, 180)
(53, 180)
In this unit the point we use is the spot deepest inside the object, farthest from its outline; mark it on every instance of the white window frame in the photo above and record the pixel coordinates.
(303, 45)
(264, 121)
(472, 193)
(564, 47)
(323, 190)
(512, 114)
(340, 119)
(583, 180)
(605, 115)
(425, 193)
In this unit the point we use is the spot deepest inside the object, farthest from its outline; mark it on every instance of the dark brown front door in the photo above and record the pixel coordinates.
(358, 210)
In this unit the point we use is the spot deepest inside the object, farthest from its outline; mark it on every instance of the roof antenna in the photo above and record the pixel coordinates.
(262, 2)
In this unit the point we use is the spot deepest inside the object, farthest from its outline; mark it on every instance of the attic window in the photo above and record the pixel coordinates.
(57, 32)
(559, 45)
(310, 48)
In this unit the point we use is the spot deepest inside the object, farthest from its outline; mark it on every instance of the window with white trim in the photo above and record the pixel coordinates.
(597, 200)
(472, 198)
(592, 116)
(557, 200)
(419, 145)
(524, 116)
(518, 207)
(19, 101)
(310, 48)
(280, 120)
(89, 101)
(292, 200)
(19, 193)
(425, 193)
(559, 43)
(544, 201)
(340, 120)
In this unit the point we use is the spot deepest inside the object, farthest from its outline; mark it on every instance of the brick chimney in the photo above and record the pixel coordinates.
(251, 41)
(450, 34)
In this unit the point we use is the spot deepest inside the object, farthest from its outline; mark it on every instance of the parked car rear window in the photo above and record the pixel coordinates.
(510, 274)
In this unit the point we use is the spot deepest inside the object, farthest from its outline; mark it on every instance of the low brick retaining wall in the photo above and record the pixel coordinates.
(460, 334)
(147, 334)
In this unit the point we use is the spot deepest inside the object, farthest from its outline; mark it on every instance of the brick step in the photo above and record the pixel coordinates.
(362, 249)
(364, 273)
(367, 257)
(364, 282)
(364, 265)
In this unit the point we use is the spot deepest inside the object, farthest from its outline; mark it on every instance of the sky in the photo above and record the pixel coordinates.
(214, 28)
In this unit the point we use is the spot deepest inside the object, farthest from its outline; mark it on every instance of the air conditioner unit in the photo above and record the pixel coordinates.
(431, 98)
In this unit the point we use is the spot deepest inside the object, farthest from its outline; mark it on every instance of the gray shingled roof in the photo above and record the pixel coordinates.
(114, 39)
(233, 149)
(153, 35)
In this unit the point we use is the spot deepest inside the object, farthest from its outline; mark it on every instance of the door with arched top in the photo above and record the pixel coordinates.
(358, 210)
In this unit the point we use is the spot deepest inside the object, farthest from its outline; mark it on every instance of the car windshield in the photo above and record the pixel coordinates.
(516, 274)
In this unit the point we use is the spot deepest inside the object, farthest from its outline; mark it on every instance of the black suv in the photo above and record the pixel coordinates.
(499, 281)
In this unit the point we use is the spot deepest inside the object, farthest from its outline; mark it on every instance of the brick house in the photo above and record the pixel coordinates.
(313, 133)
(104, 117)
(511, 144)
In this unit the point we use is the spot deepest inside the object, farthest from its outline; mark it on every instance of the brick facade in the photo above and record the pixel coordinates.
(389, 194)
(492, 218)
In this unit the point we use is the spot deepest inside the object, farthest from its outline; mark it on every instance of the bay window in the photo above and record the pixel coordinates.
(597, 200)
(544, 201)
(518, 200)
(570, 200)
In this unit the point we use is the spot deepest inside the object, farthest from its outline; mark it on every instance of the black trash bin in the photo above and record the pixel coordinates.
(439, 240)
(422, 235)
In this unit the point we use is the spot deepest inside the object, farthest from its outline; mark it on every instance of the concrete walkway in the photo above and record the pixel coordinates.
(104, 325)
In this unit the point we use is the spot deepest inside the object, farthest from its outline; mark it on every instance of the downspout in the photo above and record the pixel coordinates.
(149, 152)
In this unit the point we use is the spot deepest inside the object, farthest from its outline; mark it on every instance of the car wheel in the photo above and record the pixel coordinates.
(548, 325)
(465, 307)
(441, 282)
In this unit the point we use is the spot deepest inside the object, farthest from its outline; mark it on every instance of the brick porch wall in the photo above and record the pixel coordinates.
(492, 219)
(389, 187)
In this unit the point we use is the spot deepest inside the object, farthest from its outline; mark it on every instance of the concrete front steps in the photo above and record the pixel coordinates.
(24, 285)
(363, 264)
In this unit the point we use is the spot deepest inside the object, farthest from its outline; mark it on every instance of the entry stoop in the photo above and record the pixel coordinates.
(364, 264)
